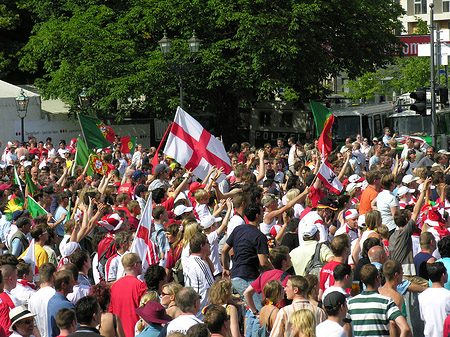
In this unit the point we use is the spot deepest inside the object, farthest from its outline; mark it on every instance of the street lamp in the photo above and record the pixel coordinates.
(22, 108)
(180, 67)
(85, 99)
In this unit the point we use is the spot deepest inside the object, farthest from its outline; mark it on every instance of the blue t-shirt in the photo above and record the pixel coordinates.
(420, 262)
(58, 301)
(446, 262)
(247, 242)
(152, 330)
(60, 212)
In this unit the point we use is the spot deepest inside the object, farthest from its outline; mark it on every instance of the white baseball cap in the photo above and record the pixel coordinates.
(208, 221)
(409, 178)
(180, 209)
(403, 190)
(310, 230)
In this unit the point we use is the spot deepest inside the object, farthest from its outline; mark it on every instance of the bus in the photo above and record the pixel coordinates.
(368, 120)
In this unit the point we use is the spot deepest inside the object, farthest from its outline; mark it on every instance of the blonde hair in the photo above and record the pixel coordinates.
(151, 296)
(220, 291)
(129, 260)
(372, 219)
(173, 287)
(305, 321)
(292, 193)
(189, 231)
(200, 194)
(272, 292)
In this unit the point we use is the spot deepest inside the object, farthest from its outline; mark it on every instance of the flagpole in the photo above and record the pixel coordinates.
(155, 158)
(82, 132)
(148, 204)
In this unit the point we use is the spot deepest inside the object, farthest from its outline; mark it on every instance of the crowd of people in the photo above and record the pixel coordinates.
(266, 250)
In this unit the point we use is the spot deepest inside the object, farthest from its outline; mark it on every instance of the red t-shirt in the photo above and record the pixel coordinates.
(168, 204)
(326, 275)
(134, 223)
(315, 195)
(126, 188)
(173, 258)
(126, 294)
(447, 326)
(105, 243)
(274, 274)
(5, 322)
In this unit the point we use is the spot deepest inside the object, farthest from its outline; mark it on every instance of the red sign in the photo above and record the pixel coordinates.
(411, 43)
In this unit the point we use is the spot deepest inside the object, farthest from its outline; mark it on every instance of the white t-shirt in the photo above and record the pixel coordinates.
(313, 218)
(385, 201)
(182, 324)
(38, 304)
(198, 276)
(202, 211)
(22, 293)
(330, 329)
(236, 220)
(214, 256)
(434, 305)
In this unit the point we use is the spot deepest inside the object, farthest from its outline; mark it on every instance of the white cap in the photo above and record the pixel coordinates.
(23, 158)
(352, 186)
(208, 221)
(409, 178)
(403, 190)
(354, 178)
(351, 213)
(180, 209)
(310, 230)
(362, 221)
(442, 151)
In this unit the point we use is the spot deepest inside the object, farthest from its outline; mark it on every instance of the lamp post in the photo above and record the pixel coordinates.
(180, 67)
(85, 99)
(22, 108)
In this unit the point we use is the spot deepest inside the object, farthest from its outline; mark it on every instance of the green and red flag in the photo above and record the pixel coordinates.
(324, 120)
(98, 165)
(30, 183)
(97, 134)
(34, 208)
(82, 156)
(128, 144)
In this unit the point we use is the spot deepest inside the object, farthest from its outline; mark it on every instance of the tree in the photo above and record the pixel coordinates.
(250, 50)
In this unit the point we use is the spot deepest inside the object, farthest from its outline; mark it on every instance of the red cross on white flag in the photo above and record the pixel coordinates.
(142, 245)
(194, 147)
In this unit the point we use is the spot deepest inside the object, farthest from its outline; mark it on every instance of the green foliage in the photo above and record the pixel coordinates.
(249, 50)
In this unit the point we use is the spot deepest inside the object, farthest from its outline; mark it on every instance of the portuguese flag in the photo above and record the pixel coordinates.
(128, 144)
(97, 134)
(321, 115)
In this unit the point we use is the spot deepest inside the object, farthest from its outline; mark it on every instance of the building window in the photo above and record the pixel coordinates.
(420, 6)
(445, 6)
(264, 118)
(286, 119)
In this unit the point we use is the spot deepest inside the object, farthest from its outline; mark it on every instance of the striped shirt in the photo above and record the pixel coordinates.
(371, 313)
(198, 276)
(283, 328)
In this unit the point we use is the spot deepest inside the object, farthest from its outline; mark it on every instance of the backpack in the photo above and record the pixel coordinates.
(262, 331)
(110, 251)
(177, 272)
(315, 265)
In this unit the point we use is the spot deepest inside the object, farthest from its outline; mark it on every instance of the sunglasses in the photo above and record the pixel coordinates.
(164, 294)
(27, 321)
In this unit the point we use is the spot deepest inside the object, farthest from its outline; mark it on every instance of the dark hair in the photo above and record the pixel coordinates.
(23, 268)
(79, 257)
(292, 182)
(369, 274)
(341, 270)
(85, 308)
(197, 241)
(46, 271)
(252, 210)
(72, 268)
(65, 318)
(153, 276)
(401, 217)
(198, 330)
(158, 195)
(277, 255)
(435, 271)
(102, 292)
(444, 246)
(36, 231)
(158, 211)
(369, 243)
(215, 318)
(22, 221)
(62, 276)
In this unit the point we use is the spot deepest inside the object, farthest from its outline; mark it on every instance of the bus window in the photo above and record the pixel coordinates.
(347, 126)
(264, 118)
(286, 119)
(378, 127)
